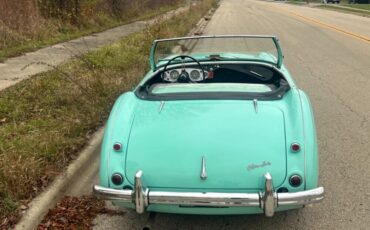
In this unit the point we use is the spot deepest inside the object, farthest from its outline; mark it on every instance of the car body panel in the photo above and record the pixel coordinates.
(289, 105)
(231, 136)
(311, 146)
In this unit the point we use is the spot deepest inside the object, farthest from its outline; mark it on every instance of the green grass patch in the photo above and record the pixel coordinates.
(47, 119)
(300, 2)
(14, 43)
(7, 205)
(358, 6)
(295, 2)
(345, 10)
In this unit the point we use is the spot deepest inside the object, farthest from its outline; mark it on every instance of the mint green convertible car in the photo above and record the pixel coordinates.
(217, 126)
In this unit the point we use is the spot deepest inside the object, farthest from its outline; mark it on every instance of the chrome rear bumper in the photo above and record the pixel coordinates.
(268, 200)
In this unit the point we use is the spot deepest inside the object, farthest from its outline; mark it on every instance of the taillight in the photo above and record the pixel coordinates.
(295, 180)
(117, 146)
(295, 147)
(117, 179)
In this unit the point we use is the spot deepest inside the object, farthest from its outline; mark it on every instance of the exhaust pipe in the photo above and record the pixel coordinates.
(150, 221)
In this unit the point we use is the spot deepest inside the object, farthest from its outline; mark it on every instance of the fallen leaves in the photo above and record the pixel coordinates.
(9, 221)
(75, 213)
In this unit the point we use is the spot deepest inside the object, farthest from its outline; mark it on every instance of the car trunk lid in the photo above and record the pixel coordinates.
(237, 140)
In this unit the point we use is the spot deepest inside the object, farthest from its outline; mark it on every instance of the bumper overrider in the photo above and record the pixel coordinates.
(268, 200)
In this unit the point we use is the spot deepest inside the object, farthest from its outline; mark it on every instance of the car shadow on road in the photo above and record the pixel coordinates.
(131, 220)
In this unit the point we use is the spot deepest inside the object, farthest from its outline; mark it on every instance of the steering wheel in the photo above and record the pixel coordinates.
(184, 76)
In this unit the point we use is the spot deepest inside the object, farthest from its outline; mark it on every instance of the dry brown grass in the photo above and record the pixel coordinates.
(20, 14)
(19, 21)
(46, 120)
(26, 25)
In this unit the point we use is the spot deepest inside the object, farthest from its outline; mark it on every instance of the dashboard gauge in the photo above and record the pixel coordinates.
(195, 75)
(174, 74)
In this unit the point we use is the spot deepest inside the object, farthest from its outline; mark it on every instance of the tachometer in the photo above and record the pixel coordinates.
(174, 75)
(195, 75)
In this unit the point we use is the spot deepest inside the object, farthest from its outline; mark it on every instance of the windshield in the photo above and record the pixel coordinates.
(205, 48)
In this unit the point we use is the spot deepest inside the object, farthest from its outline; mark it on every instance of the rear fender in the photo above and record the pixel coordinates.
(117, 130)
(310, 136)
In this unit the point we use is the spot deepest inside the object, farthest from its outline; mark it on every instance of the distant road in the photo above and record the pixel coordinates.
(329, 56)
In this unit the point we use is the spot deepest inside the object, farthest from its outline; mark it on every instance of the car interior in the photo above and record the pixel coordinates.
(219, 77)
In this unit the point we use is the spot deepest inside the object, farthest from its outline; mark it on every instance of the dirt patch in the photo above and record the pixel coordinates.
(75, 213)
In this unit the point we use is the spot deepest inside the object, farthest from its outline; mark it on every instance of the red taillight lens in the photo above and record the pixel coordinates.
(117, 146)
(117, 179)
(295, 147)
(295, 180)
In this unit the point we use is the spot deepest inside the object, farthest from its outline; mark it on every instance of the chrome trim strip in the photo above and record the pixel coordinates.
(113, 194)
(215, 36)
(255, 104)
(205, 199)
(301, 198)
(161, 106)
(203, 172)
(268, 200)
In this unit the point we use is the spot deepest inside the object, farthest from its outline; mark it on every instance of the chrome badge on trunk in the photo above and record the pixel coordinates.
(254, 166)
(203, 172)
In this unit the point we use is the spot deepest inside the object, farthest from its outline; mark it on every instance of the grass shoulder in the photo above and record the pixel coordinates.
(16, 43)
(358, 6)
(350, 8)
(357, 9)
(302, 2)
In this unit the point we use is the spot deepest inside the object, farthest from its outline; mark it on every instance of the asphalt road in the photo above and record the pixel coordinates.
(329, 56)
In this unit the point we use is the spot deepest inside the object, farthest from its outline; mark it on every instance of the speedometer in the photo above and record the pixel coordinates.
(174, 74)
(195, 75)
